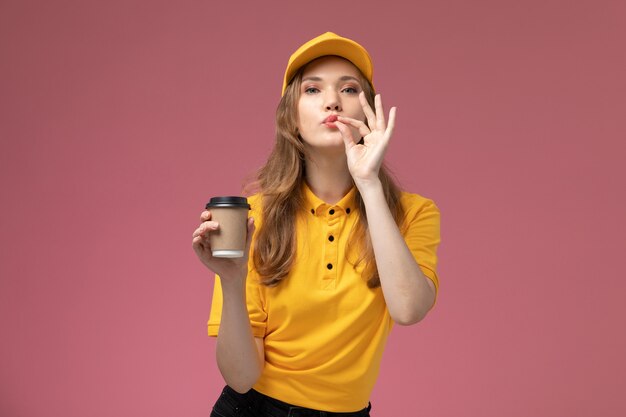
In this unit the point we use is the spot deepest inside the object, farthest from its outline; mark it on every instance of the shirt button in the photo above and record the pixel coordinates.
(332, 211)
(331, 238)
(329, 266)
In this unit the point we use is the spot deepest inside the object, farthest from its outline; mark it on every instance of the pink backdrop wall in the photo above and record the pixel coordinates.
(119, 119)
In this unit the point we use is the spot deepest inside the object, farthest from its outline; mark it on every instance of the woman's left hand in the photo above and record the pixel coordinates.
(364, 160)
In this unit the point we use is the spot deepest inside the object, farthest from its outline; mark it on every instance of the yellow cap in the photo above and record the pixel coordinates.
(329, 44)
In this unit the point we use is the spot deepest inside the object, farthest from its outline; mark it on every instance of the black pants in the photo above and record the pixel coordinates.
(255, 404)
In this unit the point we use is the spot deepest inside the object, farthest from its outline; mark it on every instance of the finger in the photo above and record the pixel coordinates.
(346, 135)
(198, 244)
(205, 228)
(380, 112)
(198, 232)
(363, 129)
(206, 215)
(392, 122)
(369, 113)
(203, 250)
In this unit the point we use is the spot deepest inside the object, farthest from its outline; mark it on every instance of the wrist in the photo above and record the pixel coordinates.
(368, 187)
(232, 284)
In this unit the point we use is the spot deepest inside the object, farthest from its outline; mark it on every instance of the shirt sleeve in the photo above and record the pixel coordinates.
(422, 234)
(254, 302)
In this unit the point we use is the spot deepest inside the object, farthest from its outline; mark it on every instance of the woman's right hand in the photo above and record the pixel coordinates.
(227, 268)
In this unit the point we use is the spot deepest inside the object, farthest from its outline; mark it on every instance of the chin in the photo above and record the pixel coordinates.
(328, 143)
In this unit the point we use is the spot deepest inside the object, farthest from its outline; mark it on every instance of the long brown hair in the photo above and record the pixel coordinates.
(280, 183)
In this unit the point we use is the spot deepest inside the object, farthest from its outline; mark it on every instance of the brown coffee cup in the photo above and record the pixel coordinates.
(229, 241)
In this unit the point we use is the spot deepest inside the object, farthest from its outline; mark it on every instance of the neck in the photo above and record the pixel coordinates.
(328, 177)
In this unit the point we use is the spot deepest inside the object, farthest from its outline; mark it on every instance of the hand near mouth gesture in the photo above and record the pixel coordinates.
(364, 160)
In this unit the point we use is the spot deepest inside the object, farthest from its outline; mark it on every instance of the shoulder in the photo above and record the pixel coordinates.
(414, 204)
(421, 218)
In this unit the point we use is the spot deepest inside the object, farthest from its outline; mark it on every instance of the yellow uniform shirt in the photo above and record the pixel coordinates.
(324, 330)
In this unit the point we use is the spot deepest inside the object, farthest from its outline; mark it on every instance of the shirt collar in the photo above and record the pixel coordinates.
(314, 204)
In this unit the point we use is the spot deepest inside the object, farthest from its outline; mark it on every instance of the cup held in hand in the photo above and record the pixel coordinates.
(229, 241)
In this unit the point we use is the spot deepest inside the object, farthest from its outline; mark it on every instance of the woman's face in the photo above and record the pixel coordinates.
(330, 86)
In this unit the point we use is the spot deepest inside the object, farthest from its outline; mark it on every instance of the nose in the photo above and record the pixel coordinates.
(332, 101)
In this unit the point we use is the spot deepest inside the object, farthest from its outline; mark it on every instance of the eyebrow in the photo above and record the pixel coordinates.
(343, 78)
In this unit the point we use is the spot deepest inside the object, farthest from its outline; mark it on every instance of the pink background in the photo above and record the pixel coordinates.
(118, 119)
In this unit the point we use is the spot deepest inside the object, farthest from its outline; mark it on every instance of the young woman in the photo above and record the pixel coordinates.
(337, 253)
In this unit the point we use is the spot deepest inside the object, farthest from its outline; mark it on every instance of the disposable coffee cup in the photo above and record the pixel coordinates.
(229, 241)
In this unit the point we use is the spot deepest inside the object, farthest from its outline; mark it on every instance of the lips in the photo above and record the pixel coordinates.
(330, 119)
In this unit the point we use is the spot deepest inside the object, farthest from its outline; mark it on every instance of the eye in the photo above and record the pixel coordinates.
(311, 90)
(350, 90)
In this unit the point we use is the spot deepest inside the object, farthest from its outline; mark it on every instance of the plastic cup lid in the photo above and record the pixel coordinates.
(229, 201)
